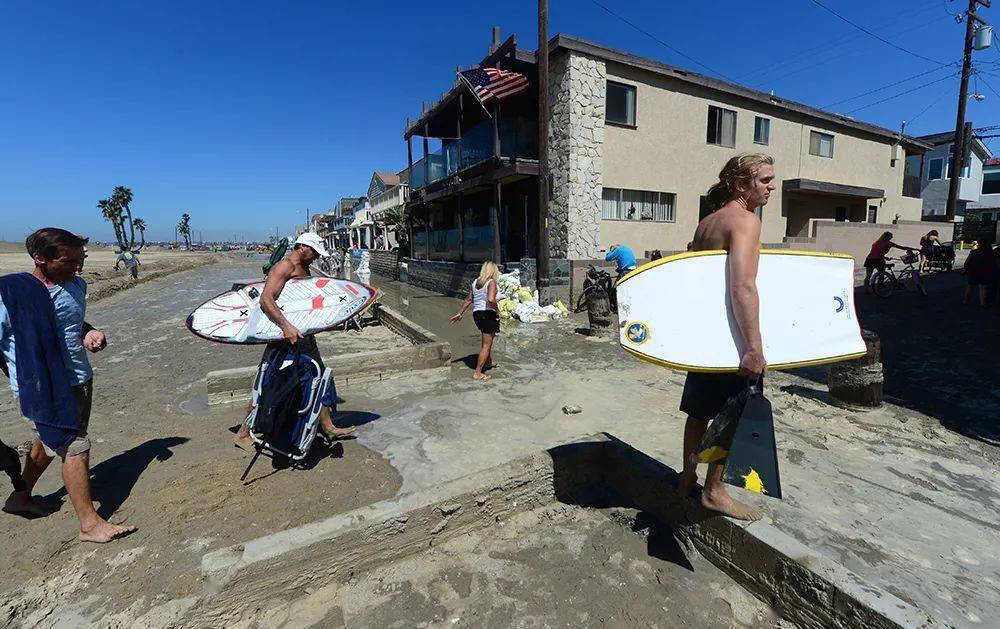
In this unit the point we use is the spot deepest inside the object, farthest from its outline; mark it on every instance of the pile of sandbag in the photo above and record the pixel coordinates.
(518, 302)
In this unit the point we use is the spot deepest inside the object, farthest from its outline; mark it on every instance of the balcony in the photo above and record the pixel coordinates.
(518, 139)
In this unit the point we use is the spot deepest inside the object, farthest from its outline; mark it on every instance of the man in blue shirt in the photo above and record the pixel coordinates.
(623, 256)
(58, 256)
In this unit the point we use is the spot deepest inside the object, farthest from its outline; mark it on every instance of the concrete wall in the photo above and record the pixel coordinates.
(856, 239)
(385, 263)
(449, 278)
(668, 152)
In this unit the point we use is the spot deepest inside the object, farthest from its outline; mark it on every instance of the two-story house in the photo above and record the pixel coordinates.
(935, 176)
(387, 191)
(344, 211)
(987, 208)
(634, 144)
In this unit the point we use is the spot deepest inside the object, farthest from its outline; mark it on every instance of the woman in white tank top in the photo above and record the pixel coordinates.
(483, 299)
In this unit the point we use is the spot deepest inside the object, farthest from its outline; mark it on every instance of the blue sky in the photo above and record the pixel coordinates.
(246, 113)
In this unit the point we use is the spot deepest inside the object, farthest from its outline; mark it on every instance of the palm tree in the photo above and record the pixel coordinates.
(116, 209)
(397, 220)
(123, 198)
(140, 224)
(112, 213)
(184, 229)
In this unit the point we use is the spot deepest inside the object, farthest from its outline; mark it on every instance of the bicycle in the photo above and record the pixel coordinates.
(597, 280)
(886, 280)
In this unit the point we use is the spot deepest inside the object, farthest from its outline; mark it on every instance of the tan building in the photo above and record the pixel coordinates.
(634, 144)
(655, 137)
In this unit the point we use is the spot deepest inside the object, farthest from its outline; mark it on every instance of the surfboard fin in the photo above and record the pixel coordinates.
(753, 456)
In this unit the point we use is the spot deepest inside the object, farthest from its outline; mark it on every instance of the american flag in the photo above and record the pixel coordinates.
(491, 83)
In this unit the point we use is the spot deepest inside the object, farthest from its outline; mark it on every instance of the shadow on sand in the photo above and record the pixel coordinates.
(939, 356)
(112, 480)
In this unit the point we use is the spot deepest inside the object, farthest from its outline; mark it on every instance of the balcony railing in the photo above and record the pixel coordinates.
(517, 139)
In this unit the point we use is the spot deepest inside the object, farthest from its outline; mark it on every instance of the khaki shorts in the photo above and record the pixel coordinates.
(84, 395)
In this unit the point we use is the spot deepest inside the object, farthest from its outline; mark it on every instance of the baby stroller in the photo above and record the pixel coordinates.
(289, 393)
(941, 257)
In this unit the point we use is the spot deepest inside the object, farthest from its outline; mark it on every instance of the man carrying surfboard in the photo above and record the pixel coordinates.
(308, 248)
(745, 183)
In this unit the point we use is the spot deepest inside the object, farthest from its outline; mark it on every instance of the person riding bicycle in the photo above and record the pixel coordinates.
(928, 244)
(876, 257)
(623, 257)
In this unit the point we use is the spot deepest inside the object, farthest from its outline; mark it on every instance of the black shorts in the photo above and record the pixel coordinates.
(706, 393)
(874, 263)
(488, 321)
(307, 346)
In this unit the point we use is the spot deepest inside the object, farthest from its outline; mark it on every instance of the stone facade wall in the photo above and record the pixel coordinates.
(576, 148)
(385, 263)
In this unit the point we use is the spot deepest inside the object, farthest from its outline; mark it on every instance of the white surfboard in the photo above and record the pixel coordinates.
(675, 312)
(311, 304)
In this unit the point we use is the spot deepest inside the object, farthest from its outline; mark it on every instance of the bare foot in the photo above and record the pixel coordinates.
(726, 505)
(333, 432)
(481, 377)
(244, 442)
(22, 503)
(103, 532)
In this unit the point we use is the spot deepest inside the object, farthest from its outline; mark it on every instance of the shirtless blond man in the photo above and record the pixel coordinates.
(745, 183)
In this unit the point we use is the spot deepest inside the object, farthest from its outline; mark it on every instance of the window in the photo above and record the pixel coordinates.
(620, 106)
(721, 126)
(637, 205)
(965, 169)
(991, 183)
(935, 169)
(840, 214)
(820, 144)
(872, 213)
(761, 130)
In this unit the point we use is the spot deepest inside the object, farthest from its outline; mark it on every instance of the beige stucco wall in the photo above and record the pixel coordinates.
(856, 238)
(667, 152)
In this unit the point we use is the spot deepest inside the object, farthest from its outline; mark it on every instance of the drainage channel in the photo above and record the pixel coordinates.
(582, 534)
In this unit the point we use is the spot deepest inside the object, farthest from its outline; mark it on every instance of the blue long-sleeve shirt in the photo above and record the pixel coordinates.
(623, 256)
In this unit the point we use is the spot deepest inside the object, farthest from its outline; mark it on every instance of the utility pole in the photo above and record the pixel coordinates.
(958, 148)
(542, 60)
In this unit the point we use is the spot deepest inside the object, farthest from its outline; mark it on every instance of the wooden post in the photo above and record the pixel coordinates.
(427, 162)
(495, 223)
(427, 231)
(496, 129)
(859, 382)
(461, 229)
(542, 270)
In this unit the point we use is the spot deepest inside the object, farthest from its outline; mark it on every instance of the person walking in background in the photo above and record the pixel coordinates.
(928, 243)
(876, 257)
(44, 341)
(623, 257)
(980, 272)
(486, 313)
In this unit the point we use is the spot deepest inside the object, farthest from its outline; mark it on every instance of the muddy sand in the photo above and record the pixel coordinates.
(555, 566)
(163, 461)
(99, 269)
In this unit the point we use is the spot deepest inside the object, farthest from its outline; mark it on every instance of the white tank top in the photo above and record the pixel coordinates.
(479, 295)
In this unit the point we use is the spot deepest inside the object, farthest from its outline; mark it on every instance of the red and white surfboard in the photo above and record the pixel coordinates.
(312, 304)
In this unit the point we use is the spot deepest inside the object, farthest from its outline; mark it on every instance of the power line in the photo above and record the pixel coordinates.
(987, 84)
(878, 37)
(884, 87)
(661, 42)
(932, 103)
(904, 93)
(829, 46)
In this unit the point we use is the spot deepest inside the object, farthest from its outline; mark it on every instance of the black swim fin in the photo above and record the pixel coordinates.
(752, 461)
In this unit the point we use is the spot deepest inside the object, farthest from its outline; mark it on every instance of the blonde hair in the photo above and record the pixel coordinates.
(739, 170)
(489, 271)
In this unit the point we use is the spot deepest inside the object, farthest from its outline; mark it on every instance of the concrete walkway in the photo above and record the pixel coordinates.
(899, 496)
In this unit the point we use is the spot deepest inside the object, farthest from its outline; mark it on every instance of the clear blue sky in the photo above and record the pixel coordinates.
(246, 113)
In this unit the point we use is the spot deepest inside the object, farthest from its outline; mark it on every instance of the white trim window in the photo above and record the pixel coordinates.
(761, 130)
(820, 144)
(620, 104)
(637, 205)
(935, 169)
(721, 126)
